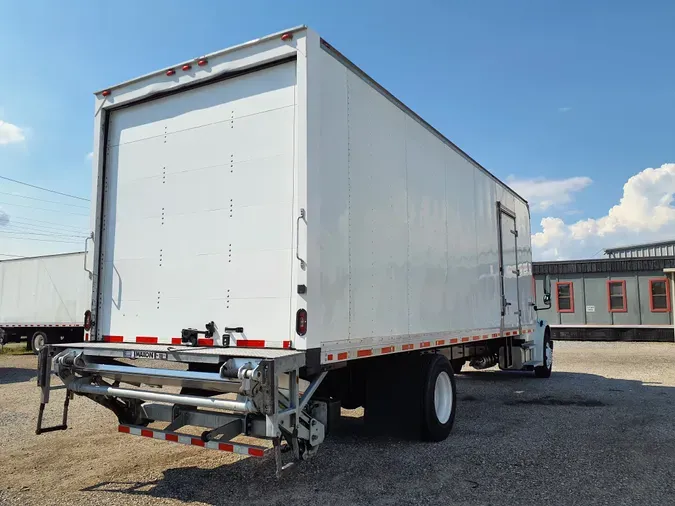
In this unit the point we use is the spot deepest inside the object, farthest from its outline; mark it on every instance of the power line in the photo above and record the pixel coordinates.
(13, 256)
(44, 189)
(33, 220)
(44, 228)
(10, 230)
(43, 240)
(28, 223)
(43, 200)
(43, 209)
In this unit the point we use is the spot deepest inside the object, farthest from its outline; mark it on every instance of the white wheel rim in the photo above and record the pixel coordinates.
(443, 397)
(38, 343)
(548, 351)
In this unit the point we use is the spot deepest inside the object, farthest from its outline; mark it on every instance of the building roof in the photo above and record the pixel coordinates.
(604, 265)
(638, 246)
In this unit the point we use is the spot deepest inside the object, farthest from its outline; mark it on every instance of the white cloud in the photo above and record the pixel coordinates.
(89, 156)
(10, 134)
(564, 109)
(644, 213)
(543, 194)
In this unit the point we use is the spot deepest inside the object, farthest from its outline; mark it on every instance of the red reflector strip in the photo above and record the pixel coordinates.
(388, 349)
(343, 356)
(476, 338)
(364, 353)
(251, 343)
(465, 339)
(286, 344)
(485, 336)
(204, 341)
(440, 342)
(495, 335)
(146, 340)
(176, 340)
(425, 344)
(330, 356)
(254, 451)
(454, 340)
(113, 339)
(406, 347)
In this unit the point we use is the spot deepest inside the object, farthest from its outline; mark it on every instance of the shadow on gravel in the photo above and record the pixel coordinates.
(16, 375)
(588, 417)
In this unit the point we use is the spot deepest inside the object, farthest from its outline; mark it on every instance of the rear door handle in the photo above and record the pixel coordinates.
(302, 217)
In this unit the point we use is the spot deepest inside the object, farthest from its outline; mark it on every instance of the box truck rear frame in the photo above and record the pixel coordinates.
(355, 282)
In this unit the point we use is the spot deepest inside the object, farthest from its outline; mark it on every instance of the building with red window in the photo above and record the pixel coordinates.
(625, 297)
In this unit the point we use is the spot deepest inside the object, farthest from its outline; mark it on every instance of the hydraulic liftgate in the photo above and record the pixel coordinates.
(267, 402)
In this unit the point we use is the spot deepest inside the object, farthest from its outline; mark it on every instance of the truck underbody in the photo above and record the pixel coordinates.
(270, 394)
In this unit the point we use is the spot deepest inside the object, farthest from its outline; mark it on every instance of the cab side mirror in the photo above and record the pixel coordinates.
(547, 293)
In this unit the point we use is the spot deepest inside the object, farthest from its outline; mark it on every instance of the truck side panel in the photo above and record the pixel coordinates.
(405, 226)
(44, 290)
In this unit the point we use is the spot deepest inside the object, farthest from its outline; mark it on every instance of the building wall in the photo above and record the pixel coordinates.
(591, 300)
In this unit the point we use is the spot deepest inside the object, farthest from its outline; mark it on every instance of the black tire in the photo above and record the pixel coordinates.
(544, 371)
(38, 340)
(439, 397)
(457, 365)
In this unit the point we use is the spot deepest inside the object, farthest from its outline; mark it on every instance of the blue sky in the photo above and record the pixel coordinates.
(568, 100)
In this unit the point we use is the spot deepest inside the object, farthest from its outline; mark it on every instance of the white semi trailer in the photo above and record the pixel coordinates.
(276, 220)
(43, 299)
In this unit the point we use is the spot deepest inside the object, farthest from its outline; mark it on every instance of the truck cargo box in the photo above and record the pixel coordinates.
(249, 186)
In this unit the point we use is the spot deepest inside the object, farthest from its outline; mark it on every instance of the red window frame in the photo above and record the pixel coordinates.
(651, 296)
(621, 282)
(557, 300)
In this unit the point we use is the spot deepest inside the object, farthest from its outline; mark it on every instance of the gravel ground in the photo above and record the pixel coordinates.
(600, 431)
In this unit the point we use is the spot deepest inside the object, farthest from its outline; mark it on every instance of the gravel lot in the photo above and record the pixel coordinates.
(601, 430)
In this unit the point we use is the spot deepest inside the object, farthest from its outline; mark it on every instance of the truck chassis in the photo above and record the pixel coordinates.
(230, 392)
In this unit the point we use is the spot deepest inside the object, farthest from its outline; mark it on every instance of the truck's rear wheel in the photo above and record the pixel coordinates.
(38, 340)
(544, 370)
(438, 398)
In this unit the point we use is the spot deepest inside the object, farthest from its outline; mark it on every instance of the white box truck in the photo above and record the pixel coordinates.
(43, 299)
(274, 219)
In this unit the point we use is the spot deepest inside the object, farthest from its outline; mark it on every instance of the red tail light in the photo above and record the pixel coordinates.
(286, 36)
(202, 62)
(301, 322)
(170, 72)
(87, 320)
(187, 67)
(105, 93)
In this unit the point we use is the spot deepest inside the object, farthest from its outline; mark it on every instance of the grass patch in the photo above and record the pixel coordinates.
(15, 349)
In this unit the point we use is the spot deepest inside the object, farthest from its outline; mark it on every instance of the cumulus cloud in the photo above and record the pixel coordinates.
(644, 213)
(543, 194)
(10, 134)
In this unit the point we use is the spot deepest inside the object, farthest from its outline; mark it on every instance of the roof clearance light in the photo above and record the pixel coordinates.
(170, 72)
(106, 93)
(287, 36)
(187, 66)
(202, 62)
